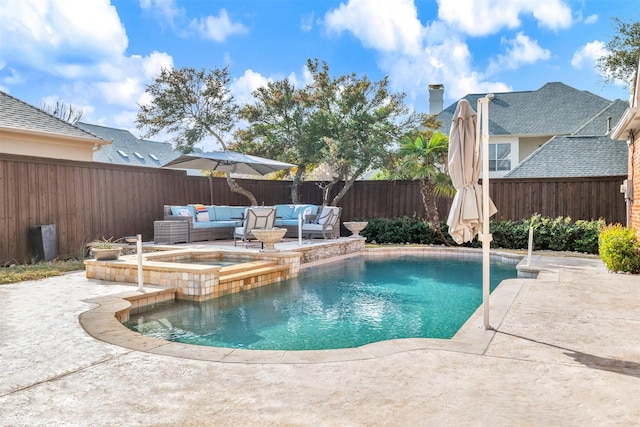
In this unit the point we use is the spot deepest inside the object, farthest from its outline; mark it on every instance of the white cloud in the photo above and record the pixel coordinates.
(415, 56)
(165, 9)
(300, 82)
(217, 28)
(124, 120)
(588, 54)
(243, 86)
(306, 22)
(521, 50)
(152, 64)
(552, 14)
(60, 36)
(380, 24)
(127, 90)
(9, 76)
(483, 17)
(124, 92)
(447, 63)
(82, 45)
(591, 19)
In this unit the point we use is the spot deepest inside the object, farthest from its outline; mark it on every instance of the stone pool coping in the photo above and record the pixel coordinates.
(103, 322)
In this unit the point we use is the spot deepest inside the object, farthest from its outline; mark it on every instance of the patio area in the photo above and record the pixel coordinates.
(565, 351)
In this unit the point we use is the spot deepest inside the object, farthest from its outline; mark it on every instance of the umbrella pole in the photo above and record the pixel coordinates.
(485, 236)
(211, 186)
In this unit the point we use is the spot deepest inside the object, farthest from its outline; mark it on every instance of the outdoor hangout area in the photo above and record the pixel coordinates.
(224, 222)
(463, 282)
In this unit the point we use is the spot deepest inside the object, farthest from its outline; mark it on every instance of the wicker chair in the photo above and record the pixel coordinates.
(326, 224)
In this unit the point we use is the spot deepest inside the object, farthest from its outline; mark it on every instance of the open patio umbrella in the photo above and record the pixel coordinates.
(471, 206)
(227, 161)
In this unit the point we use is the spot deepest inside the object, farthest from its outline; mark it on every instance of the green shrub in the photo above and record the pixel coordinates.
(399, 230)
(561, 234)
(618, 248)
(557, 234)
(509, 234)
(587, 239)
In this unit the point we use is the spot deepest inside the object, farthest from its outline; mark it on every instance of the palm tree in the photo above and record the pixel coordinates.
(425, 159)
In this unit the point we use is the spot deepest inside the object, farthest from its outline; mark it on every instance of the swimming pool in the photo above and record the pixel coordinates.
(346, 304)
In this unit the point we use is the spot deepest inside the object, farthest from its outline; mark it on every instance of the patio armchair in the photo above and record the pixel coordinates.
(326, 224)
(258, 217)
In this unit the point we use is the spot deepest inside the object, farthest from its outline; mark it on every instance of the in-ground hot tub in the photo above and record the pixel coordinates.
(200, 274)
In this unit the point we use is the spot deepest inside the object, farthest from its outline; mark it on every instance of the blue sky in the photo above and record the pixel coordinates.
(100, 54)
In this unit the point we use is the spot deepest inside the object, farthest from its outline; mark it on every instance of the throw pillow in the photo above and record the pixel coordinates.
(307, 211)
(324, 215)
(202, 213)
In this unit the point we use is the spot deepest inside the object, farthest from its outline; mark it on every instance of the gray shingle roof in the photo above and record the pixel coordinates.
(554, 109)
(565, 156)
(17, 114)
(599, 125)
(587, 152)
(126, 149)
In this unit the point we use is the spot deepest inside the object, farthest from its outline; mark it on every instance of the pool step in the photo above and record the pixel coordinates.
(244, 266)
(260, 274)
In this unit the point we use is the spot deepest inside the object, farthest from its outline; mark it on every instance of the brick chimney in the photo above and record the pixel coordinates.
(436, 98)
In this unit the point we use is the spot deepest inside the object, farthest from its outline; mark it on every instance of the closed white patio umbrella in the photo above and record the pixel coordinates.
(471, 206)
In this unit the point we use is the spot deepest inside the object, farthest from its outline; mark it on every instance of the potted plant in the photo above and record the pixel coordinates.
(105, 250)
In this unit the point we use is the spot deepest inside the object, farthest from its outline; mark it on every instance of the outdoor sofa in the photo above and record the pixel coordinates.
(219, 222)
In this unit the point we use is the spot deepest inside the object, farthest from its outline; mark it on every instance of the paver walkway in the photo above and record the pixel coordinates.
(567, 352)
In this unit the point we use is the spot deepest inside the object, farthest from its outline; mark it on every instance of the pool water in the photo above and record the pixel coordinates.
(346, 304)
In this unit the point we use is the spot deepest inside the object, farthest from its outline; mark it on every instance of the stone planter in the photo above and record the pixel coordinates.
(109, 254)
(355, 227)
(269, 236)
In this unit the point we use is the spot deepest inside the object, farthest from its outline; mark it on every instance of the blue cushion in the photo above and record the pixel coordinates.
(222, 213)
(286, 222)
(237, 212)
(215, 224)
(228, 213)
(224, 224)
(175, 210)
(179, 210)
(284, 211)
(212, 213)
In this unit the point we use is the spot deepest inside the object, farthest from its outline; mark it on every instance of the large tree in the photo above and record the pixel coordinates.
(192, 104)
(280, 127)
(361, 121)
(621, 61)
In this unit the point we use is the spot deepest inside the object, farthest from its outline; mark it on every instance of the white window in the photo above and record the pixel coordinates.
(499, 157)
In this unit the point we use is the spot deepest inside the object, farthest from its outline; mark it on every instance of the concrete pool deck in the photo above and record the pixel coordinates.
(566, 351)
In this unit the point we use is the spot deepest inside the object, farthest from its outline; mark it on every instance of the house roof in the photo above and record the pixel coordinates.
(603, 122)
(17, 114)
(589, 151)
(565, 156)
(554, 109)
(126, 149)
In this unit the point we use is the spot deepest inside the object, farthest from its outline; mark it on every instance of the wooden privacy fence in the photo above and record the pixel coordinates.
(87, 200)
